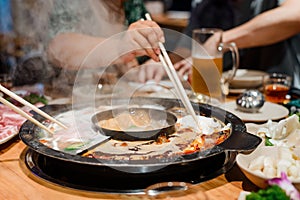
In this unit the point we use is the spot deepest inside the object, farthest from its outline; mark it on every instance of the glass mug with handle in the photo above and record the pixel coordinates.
(207, 55)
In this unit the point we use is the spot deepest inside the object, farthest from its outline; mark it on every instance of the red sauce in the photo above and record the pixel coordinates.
(124, 144)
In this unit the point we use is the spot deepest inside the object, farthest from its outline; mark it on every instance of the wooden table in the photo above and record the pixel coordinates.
(17, 182)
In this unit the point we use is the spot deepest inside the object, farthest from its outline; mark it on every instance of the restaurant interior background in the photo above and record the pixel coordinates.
(16, 51)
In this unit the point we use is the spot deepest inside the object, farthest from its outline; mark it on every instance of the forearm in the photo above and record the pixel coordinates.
(267, 28)
(72, 51)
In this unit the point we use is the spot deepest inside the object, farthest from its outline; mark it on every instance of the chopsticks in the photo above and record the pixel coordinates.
(167, 63)
(24, 114)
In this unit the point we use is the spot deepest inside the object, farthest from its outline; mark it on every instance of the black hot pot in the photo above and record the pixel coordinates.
(92, 174)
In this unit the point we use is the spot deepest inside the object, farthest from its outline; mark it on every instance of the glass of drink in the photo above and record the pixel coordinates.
(207, 55)
(276, 87)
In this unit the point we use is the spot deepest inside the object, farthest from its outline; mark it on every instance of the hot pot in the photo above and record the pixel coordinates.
(132, 176)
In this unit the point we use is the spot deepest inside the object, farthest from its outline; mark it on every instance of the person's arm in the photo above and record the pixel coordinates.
(68, 50)
(73, 50)
(267, 28)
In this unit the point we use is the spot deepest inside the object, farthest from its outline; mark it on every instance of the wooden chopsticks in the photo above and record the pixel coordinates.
(24, 114)
(167, 63)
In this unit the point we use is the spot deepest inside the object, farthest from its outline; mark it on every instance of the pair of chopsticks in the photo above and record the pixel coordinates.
(168, 66)
(24, 114)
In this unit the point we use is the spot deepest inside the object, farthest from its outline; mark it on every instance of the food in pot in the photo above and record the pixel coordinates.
(138, 120)
(186, 139)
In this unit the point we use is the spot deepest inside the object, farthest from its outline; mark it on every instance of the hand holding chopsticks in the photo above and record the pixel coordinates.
(24, 114)
(166, 62)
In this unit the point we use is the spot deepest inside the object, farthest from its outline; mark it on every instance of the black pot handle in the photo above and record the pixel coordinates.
(241, 141)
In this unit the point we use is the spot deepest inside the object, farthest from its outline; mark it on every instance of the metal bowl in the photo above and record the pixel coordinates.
(168, 127)
(250, 101)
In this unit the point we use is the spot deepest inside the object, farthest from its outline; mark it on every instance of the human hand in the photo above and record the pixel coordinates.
(184, 67)
(151, 71)
(212, 45)
(142, 38)
(154, 71)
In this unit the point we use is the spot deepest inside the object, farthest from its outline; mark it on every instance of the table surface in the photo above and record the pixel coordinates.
(17, 182)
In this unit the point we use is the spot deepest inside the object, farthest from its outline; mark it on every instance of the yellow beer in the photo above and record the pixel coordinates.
(206, 75)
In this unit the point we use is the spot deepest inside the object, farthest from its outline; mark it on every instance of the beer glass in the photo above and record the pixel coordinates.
(207, 55)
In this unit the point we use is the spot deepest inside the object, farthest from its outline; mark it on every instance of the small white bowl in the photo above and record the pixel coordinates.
(259, 179)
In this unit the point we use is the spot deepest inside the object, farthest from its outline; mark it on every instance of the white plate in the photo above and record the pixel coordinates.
(268, 111)
(6, 138)
(236, 91)
(245, 78)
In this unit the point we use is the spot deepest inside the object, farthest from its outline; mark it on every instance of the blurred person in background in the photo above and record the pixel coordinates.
(266, 33)
(66, 31)
(6, 37)
(205, 13)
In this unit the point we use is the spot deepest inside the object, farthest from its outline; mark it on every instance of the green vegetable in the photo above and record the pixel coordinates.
(268, 142)
(74, 146)
(298, 113)
(284, 183)
(132, 127)
(35, 98)
(273, 192)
